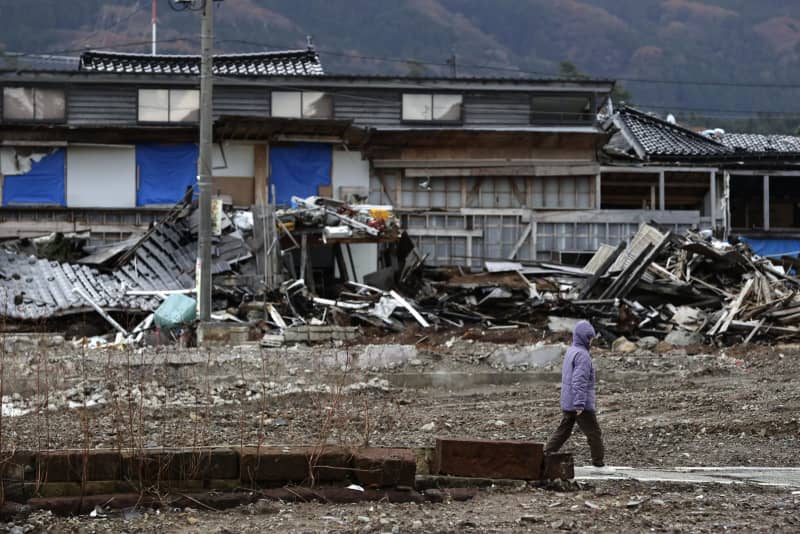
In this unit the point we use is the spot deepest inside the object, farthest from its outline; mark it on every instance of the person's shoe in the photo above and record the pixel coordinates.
(598, 464)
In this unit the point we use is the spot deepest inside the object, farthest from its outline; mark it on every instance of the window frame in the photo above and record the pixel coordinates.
(302, 116)
(433, 120)
(560, 120)
(169, 105)
(33, 120)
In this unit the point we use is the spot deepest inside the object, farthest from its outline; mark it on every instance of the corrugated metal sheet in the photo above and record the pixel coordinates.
(164, 259)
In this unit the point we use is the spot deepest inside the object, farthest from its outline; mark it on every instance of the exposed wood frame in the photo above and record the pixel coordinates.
(662, 201)
(521, 241)
(654, 169)
(261, 173)
(712, 192)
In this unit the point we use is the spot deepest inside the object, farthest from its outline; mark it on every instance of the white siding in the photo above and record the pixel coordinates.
(101, 177)
(349, 172)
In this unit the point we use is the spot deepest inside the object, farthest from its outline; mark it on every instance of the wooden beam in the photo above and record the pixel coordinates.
(517, 193)
(653, 169)
(443, 232)
(474, 192)
(518, 245)
(766, 203)
(598, 188)
(662, 201)
(712, 197)
(260, 166)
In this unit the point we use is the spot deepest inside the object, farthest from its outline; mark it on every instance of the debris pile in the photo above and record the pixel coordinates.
(688, 289)
(693, 284)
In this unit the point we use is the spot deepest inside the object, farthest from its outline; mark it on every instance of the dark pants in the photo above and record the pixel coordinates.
(587, 421)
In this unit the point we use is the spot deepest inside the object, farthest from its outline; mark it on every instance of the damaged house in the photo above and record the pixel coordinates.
(743, 185)
(474, 168)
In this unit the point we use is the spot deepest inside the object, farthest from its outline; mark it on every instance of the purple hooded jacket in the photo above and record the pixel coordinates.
(577, 375)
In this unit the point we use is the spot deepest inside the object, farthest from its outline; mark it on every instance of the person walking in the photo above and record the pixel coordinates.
(578, 403)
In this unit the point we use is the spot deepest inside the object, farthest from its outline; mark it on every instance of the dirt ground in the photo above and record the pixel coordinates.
(696, 406)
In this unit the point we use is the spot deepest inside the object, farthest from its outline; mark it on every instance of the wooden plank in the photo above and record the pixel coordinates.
(724, 322)
(590, 282)
(443, 232)
(260, 166)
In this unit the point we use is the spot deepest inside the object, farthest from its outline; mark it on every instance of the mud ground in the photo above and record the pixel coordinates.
(694, 406)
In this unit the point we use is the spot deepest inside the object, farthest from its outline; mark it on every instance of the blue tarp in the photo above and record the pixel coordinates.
(165, 171)
(43, 184)
(299, 170)
(774, 247)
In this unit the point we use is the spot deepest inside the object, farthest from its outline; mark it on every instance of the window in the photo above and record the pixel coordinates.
(432, 107)
(33, 104)
(561, 109)
(302, 105)
(169, 105)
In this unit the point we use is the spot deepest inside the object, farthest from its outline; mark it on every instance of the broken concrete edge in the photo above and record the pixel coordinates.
(74, 472)
(220, 501)
(499, 459)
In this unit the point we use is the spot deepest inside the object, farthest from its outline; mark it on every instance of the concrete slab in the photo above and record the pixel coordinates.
(788, 477)
(537, 355)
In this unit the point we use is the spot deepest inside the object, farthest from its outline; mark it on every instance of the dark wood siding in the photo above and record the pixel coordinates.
(490, 109)
(101, 104)
(368, 108)
(248, 101)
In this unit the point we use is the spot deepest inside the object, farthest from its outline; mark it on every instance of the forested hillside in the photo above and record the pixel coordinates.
(707, 61)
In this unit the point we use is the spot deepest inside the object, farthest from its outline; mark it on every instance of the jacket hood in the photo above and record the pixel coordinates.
(583, 333)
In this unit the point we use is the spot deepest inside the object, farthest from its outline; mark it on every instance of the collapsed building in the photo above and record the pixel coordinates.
(380, 196)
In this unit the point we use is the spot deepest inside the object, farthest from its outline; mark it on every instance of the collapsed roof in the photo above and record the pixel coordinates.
(647, 138)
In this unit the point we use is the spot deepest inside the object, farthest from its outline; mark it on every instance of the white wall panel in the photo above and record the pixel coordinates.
(238, 161)
(101, 177)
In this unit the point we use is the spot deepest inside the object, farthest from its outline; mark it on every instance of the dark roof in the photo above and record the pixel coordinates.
(759, 143)
(290, 62)
(38, 62)
(654, 138)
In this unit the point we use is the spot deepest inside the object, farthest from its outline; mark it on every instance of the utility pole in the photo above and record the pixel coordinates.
(203, 267)
(154, 20)
(204, 162)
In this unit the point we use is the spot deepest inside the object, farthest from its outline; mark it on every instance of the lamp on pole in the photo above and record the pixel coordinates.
(204, 161)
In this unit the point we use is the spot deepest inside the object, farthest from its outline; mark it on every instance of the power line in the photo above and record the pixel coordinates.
(533, 72)
(107, 47)
(515, 70)
(749, 112)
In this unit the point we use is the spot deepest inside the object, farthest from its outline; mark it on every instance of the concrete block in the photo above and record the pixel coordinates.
(18, 466)
(221, 333)
(273, 464)
(294, 464)
(76, 489)
(151, 465)
(68, 465)
(490, 459)
(558, 466)
(376, 466)
(530, 356)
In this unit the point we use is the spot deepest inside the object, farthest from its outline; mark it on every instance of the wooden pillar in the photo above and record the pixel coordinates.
(598, 182)
(712, 197)
(652, 197)
(261, 172)
(766, 203)
(661, 191)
